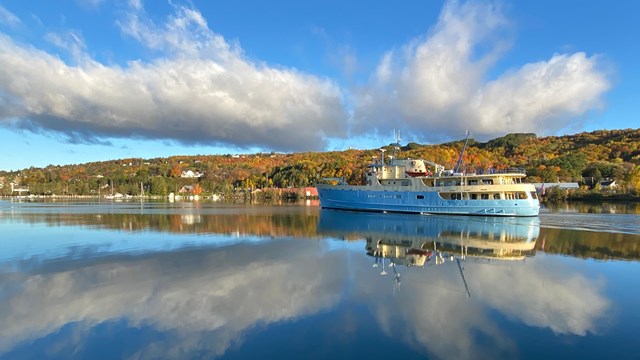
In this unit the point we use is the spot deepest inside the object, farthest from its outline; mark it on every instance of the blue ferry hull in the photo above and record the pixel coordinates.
(425, 202)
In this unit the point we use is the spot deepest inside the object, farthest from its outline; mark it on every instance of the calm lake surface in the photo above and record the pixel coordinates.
(212, 280)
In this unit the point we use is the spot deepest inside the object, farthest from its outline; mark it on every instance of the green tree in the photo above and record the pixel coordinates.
(158, 186)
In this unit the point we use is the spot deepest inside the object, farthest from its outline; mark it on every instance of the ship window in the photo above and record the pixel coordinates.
(534, 195)
(496, 196)
(474, 196)
(484, 196)
(487, 181)
(451, 196)
(522, 195)
(420, 197)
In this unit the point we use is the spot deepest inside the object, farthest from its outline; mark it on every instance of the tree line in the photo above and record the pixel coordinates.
(587, 158)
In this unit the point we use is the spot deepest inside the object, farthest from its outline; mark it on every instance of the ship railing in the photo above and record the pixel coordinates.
(501, 171)
(334, 181)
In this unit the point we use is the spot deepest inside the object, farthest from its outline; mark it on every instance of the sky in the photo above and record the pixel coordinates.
(95, 80)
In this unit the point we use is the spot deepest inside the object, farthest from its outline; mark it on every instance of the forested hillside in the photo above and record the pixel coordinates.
(584, 157)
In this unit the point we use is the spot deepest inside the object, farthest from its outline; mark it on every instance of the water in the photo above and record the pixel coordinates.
(211, 280)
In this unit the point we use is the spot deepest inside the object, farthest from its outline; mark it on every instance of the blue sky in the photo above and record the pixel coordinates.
(93, 80)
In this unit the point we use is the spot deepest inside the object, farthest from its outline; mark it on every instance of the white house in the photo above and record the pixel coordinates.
(191, 174)
(608, 184)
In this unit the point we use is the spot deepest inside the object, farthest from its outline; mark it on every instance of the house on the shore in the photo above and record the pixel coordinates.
(310, 192)
(608, 184)
(15, 188)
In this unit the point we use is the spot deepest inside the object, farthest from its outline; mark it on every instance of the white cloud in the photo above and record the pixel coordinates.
(559, 89)
(200, 89)
(438, 85)
(8, 18)
(71, 42)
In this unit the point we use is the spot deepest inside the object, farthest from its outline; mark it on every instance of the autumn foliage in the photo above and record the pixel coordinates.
(585, 158)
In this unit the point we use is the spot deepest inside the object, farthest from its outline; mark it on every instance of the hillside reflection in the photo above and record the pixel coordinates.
(260, 221)
(608, 236)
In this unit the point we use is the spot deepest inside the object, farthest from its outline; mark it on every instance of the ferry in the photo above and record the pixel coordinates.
(424, 187)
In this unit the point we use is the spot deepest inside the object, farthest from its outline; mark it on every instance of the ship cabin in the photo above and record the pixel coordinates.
(481, 185)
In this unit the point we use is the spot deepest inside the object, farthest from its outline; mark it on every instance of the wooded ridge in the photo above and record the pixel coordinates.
(586, 158)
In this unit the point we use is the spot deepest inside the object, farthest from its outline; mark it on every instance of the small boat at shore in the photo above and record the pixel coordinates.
(425, 187)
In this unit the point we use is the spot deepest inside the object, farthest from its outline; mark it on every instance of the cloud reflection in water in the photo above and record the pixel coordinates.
(203, 300)
(193, 295)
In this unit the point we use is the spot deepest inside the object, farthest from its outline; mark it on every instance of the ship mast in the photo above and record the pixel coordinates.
(462, 153)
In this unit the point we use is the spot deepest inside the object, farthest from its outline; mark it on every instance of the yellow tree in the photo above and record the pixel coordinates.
(634, 178)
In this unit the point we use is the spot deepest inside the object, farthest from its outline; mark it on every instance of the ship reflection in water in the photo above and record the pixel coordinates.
(430, 240)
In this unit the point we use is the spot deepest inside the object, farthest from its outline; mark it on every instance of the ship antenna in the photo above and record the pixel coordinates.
(462, 152)
(396, 147)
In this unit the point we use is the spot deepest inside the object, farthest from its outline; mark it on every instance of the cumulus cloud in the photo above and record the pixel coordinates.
(440, 84)
(198, 90)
